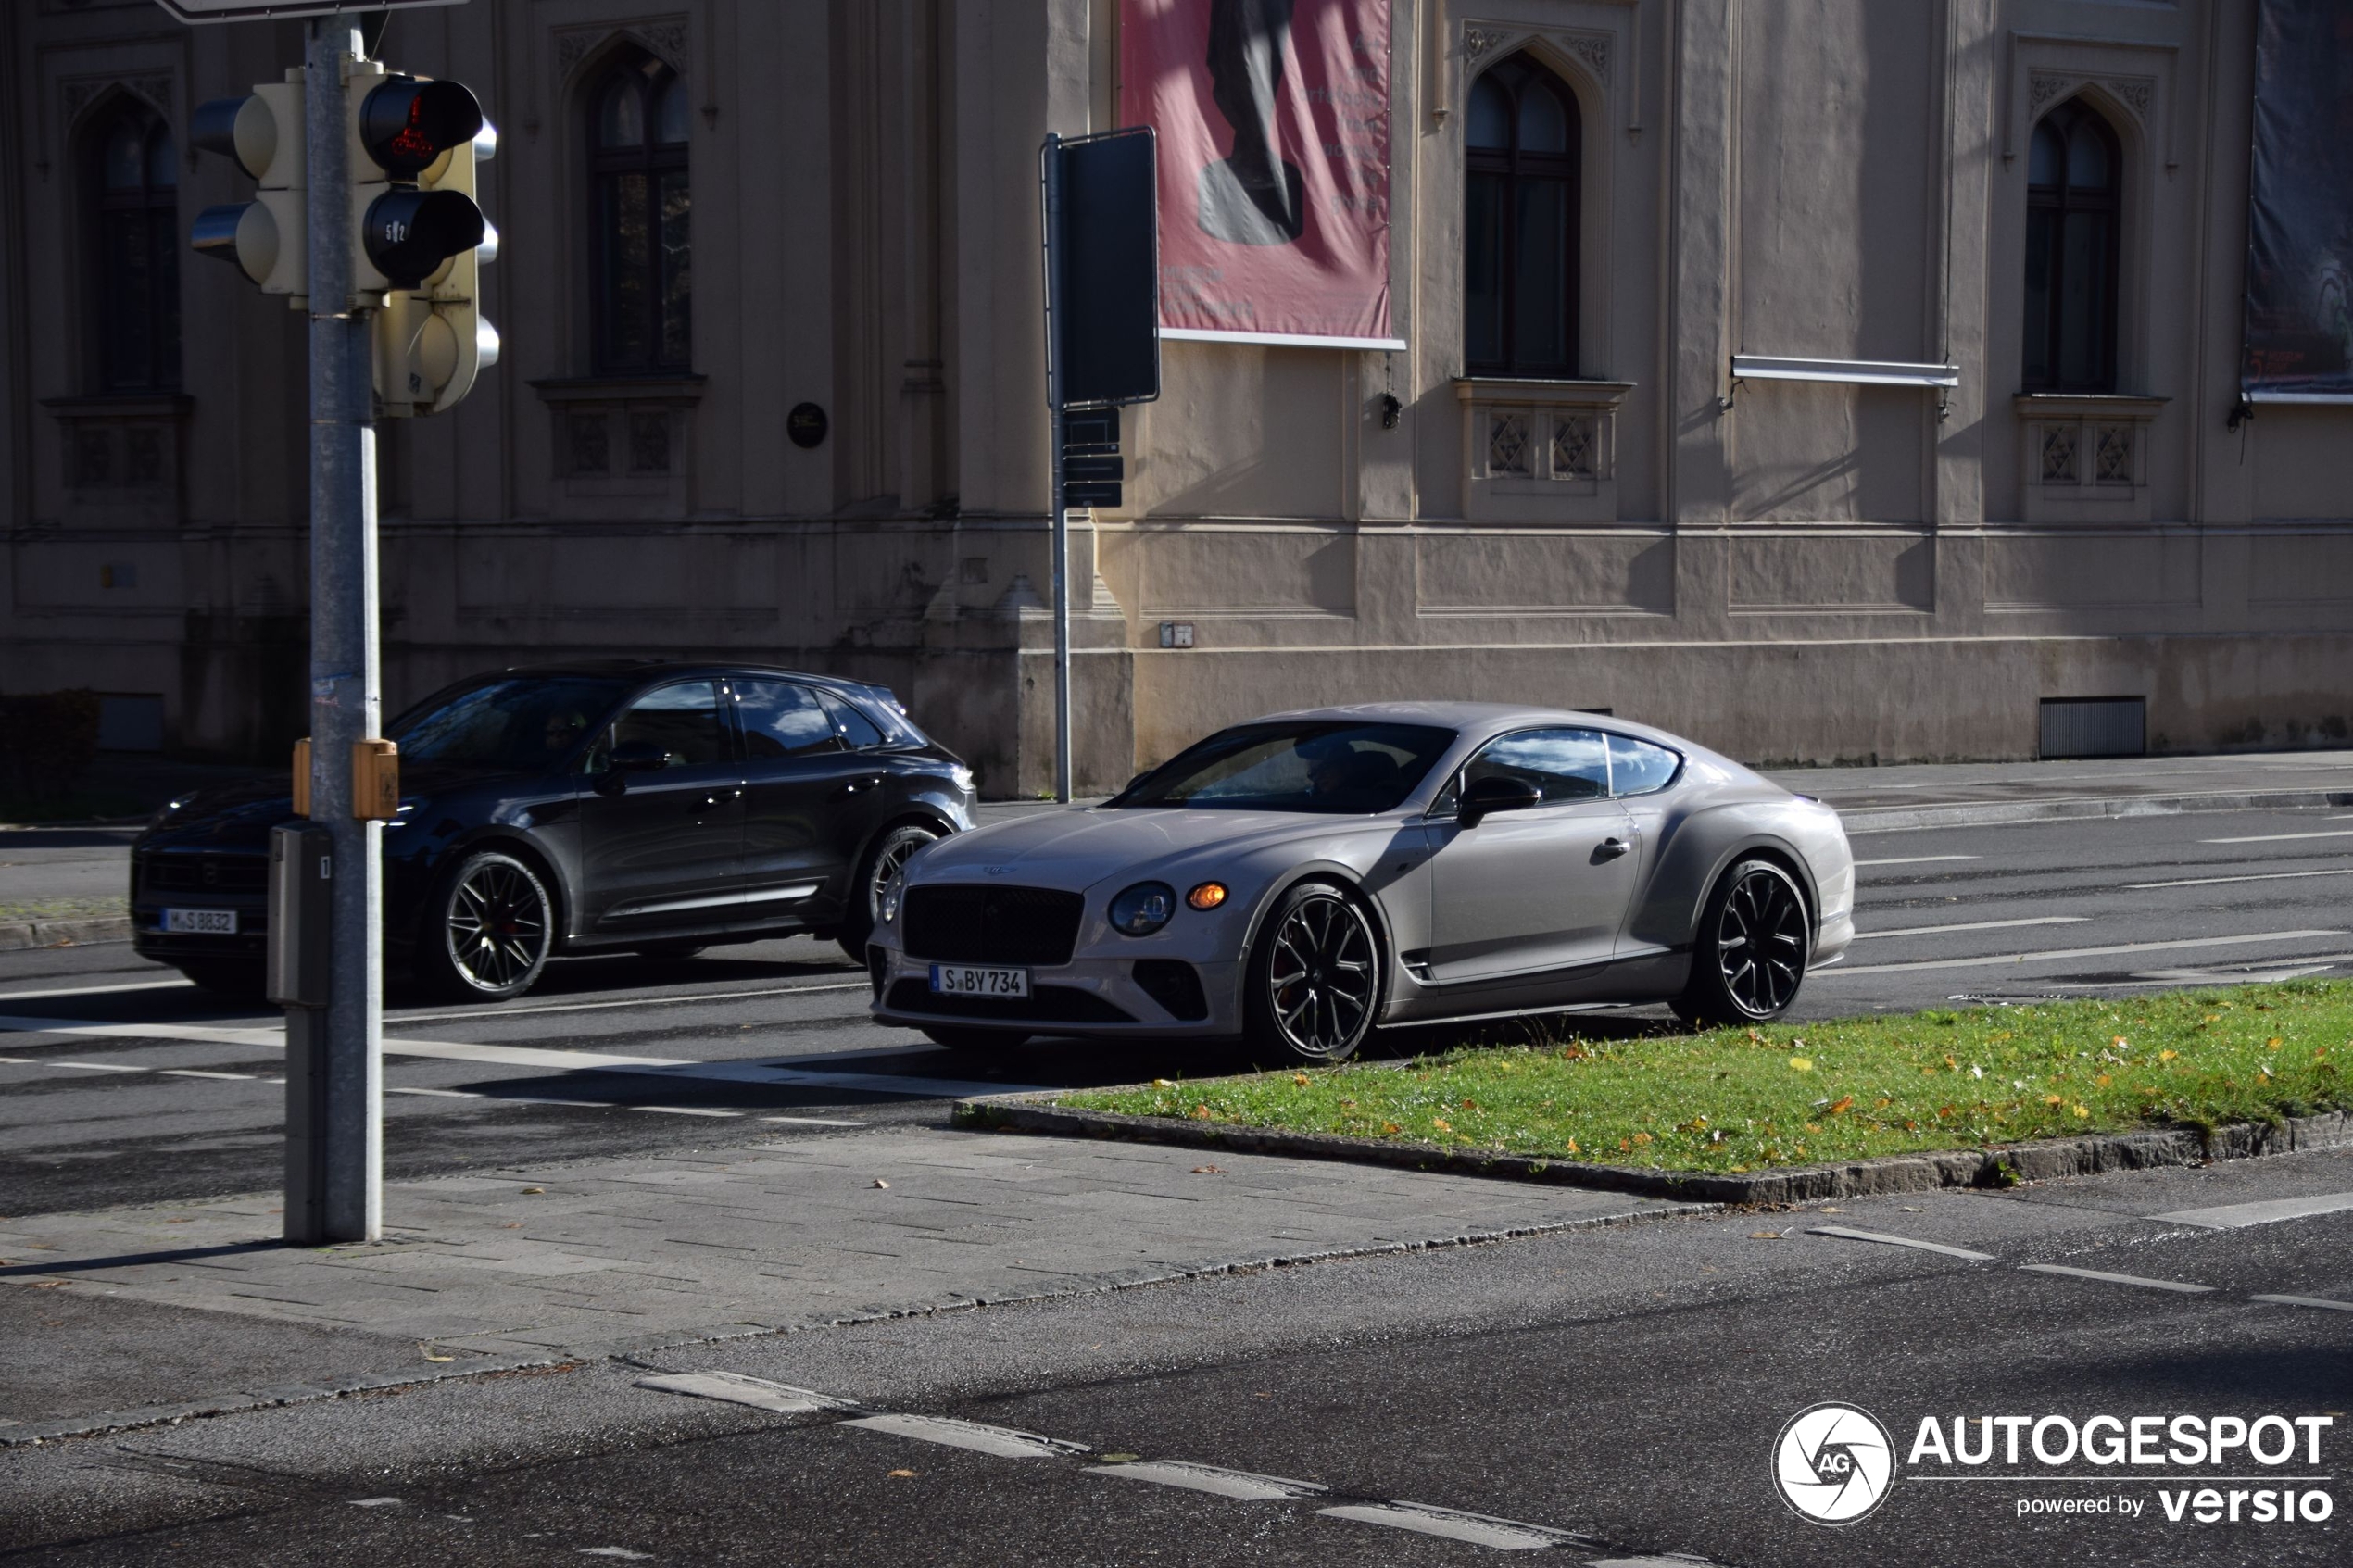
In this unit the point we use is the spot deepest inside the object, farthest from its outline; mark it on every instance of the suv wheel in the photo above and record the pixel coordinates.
(489, 929)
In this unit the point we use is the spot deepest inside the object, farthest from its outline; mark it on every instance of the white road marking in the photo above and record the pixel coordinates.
(1479, 1529)
(2206, 880)
(1974, 925)
(2281, 837)
(1006, 1442)
(2306, 1302)
(1665, 1562)
(1916, 860)
(2050, 955)
(200, 1072)
(2232, 1216)
(68, 1062)
(623, 1002)
(438, 1094)
(765, 1073)
(2173, 1285)
(813, 1121)
(620, 1551)
(683, 1110)
(737, 1389)
(98, 990)
(1852, 1234)
(1238, 1484)
(372, 1502)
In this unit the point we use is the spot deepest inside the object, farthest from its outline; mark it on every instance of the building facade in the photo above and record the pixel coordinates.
(714, 212)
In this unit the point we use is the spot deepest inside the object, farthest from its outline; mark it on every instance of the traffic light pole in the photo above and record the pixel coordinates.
(1051, 172)
(334, 1079)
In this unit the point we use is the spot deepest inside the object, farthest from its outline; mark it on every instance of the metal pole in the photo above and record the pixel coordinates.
(348, 1033)
(1053, 178)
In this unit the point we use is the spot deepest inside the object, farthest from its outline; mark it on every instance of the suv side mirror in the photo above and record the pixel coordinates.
(1496, 793)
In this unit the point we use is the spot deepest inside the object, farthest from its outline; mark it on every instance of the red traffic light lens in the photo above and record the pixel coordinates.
(405, 123)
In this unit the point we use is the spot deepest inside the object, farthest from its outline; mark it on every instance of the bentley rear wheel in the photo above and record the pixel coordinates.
(1313, 990)
(1750, 958)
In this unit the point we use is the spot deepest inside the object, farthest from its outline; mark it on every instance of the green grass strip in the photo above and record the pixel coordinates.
(1734, 1100)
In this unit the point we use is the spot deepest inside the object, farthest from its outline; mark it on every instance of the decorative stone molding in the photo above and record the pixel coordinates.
(2084, 459)
(621, 434)
(669, 37)
(1595, 52)
(119, 456)
(2137, 77)
(1540, 451)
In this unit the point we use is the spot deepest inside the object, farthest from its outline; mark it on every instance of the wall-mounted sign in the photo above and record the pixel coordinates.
(1273, 123)
(806, 425)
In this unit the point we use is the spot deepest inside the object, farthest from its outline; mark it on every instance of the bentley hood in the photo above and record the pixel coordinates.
(1074, 849)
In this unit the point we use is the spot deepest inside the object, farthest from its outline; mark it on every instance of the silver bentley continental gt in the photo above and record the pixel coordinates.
(1303, 879)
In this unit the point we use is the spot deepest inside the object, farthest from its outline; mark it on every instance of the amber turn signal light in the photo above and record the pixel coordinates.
(1208, 896)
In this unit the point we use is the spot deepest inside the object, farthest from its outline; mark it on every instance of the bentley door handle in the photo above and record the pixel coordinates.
(1610, 848)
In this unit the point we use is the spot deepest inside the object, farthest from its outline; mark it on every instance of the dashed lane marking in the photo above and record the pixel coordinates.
(2213, 880)
(2232, 1216)
(70, 1061)
(812, 1121)
(2306, 1302)
(1006, 1442)
(2173, 1285)
(736, 1388)
(1973, 925)
(1851, 1234)
(1479, 1529)
(200, 1072)
(2282, 837)
(98, 990)
(1241, 1485)
(1916, 860)
(2054, 955)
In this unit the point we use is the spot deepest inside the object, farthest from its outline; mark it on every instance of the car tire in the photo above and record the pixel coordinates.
(671, 952)
(488, 931)
(1757, 908)
(239, 982)
(1312, 989)
(978, 1042)
(862, 908)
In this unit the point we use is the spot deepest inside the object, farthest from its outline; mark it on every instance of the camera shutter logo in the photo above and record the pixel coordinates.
(1833, 1464)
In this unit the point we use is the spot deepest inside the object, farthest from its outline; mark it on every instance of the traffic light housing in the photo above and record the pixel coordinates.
(417, 143)
(267, 238)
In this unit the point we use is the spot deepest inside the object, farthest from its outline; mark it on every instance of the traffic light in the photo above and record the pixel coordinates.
(267, 237)
(415, 146)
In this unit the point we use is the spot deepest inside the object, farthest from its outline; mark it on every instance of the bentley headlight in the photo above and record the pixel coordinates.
(893, 890)
(1143, 909)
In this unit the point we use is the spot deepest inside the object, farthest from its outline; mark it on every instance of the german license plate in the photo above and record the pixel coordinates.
(208, 922)
(974, 979)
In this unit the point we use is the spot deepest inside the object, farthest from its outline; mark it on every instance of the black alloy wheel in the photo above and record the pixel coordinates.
(1750, 958)
(884, 860)
(1315, 977)
(493, 926)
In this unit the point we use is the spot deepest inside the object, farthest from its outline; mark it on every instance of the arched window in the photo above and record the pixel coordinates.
(642, 210)
(2074, 179)
(1519, 230)
(130, 182)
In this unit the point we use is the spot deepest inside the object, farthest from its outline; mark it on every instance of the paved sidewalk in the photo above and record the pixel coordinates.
(599, 1257)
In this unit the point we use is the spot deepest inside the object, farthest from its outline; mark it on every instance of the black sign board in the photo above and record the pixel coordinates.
(1110, 246)
(1090, 431)
(1091, 493)
(806, 425)
(1077, 468)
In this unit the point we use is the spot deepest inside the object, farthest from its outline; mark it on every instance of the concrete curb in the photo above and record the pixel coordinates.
(1902, 1172)
(33, 1433)
(50, 933)
(1891, 819)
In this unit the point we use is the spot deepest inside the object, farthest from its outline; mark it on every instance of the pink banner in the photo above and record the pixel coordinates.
(1273, 121)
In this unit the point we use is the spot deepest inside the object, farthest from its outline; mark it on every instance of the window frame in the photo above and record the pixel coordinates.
(1514, 74)
(2063, 201)
(1446, 803)
(153, 210)
(607, 168)
(590, 761)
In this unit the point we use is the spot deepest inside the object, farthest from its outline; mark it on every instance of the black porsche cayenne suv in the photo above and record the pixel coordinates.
(638, 807)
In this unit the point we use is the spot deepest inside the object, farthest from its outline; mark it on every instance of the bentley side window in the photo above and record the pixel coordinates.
(1636, 767)
(1562, 764)
(783, 718)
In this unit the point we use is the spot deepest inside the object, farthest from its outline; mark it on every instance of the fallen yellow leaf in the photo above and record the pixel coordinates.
(1841, 1106)
(1800, 1064)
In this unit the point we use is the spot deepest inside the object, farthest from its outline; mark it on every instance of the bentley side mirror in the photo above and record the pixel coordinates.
(1496, 793)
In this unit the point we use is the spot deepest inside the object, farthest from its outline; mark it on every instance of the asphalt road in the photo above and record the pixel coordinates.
(1604, 1396)
(120, 1083)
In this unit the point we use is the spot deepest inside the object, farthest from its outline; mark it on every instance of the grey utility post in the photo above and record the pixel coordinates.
(1050, 167)
(345, 1059)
